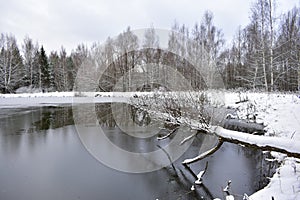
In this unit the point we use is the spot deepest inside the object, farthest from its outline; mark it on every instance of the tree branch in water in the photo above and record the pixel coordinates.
(203, 155)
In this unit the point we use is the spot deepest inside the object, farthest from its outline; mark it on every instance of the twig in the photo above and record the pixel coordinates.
(293, 134)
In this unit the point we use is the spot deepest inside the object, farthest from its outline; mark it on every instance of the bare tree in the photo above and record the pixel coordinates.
(79, 55)
(287, 54)
(29, 50)
(271, 29)
(125, 43)
(151, 46)
(11, 65)
(63, 68)
(262, 32)
(210, 41)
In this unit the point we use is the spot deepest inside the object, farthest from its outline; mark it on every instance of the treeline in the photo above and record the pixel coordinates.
(29, 66)
(264, 55)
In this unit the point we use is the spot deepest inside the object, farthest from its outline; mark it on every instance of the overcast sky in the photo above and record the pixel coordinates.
(70, 22)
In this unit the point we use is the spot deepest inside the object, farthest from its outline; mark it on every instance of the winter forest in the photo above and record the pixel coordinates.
(264, 55)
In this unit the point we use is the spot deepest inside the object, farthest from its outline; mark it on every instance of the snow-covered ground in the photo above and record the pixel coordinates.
(35, 99)
(58, 98)
(279, 112)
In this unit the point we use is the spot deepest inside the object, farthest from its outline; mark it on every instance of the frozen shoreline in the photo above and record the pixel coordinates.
(57, 98)
(280, 112)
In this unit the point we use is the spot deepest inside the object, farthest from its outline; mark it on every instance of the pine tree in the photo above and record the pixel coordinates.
(44, 69)
(36, 70)
(70, 74)
(55, 75)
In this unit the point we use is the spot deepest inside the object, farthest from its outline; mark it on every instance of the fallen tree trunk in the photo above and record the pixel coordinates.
(287, 146)
(282, 145)
(244, 126)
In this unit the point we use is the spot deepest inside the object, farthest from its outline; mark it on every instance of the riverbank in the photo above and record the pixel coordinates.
(58, 98)
(279, 112)
(281, 115)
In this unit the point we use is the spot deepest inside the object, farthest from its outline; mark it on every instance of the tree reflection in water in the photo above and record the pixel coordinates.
(55, 117)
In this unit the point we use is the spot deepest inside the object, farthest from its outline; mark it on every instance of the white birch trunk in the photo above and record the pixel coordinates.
(263, 44)
(271, 45)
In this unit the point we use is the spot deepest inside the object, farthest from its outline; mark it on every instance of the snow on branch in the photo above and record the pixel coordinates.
(282, 145)
(200, 175)
(169, 134)
(203, 155)
(188, 138)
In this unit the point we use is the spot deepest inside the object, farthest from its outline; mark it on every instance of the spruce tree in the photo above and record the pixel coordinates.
(44, 67)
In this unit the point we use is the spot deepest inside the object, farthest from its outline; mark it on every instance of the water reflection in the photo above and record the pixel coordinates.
(54, 117)
(41, 157)
(104, 115)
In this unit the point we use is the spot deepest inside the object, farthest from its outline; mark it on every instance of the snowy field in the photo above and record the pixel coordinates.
(279, 112)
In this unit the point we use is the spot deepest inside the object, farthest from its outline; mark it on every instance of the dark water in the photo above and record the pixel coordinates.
(41, 157)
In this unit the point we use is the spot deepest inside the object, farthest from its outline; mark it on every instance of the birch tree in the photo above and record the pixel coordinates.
(125, 43)
(287, 55)
(271, 29)
(29, 49)
(211, 41)
(11, 64)
(150, 45)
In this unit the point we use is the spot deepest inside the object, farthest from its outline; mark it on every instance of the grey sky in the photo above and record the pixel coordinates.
(64, 22)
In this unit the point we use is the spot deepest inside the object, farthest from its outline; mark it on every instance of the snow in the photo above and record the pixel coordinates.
(229, 197)
(34, 99)
(285, 184)
(287, 144)
(58, 98)
(40, 94)
(192, 188)
(279, 112)
(199, 176)
(281, 115)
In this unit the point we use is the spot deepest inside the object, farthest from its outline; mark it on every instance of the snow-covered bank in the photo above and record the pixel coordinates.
(281, 115)
(284, 185)
(279, 112)
(59, 98)
(74, 94)
(35, 99)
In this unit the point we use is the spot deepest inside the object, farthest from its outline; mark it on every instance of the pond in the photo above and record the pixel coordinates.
(42, 157)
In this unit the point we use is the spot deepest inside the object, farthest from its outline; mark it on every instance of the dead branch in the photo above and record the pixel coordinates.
(203, 155)
(188, 138)
(168, 135)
